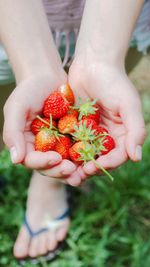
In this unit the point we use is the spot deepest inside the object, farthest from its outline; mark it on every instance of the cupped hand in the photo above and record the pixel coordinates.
(120, 108)
(25, 102)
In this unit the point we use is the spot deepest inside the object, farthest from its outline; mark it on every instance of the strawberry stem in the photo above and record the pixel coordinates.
(51, 123)
(103, 169)
(38, 117)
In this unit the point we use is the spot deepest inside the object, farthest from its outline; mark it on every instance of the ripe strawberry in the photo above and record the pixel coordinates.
(82, 152)
(89, 110)
(45, 140)
(75, 152)
(66, 124)
(93, 116)
(62, 146)
(66, 90)
(93, 125)
(38, 123)
(108, 144)
(89, 123)
(56, 105)
(73, 112)
(99, 130)
(83, 131)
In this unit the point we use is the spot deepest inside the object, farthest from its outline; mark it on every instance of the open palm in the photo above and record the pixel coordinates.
(120, 113)
(21, 108)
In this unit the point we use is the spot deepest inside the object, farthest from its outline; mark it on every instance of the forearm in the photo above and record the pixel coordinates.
(27, 38)
(106, 29)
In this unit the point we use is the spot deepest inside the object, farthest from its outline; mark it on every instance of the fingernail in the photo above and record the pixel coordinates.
(138, 153)
(13, 154)
(55, 160)
(68, 171)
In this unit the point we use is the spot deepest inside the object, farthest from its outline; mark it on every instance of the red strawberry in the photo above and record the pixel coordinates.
(95, 116)
(73, 112)
(82, 152)
(56, 105)
(84, 131)
(37, 124)
(89, 123)
(45, 140)
(74, 152)
(89, 110)
(66, 124)
(66, 90)
(108, 144)
(62, 146)
(93, 125)
(99, 130)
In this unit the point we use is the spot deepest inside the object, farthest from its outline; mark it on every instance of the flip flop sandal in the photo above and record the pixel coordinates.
(50, 224)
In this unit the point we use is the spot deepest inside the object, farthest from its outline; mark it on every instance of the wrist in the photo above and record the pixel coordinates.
(89, 62)
(91, 52)
(39, 60)
(40, 67)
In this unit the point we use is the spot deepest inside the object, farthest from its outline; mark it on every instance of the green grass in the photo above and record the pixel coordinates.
(110, 221)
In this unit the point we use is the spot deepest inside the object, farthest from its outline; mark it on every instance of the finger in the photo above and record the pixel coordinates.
(40, 160)
(14, 123)
(77, 177)
(74, 179)
(81, 173)
(62, 170)
(134, 123)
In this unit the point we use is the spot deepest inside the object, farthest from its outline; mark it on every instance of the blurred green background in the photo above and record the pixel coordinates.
(110, 221)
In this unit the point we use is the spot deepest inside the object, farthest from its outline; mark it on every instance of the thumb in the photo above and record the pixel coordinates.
(13, 131)
(133, 121)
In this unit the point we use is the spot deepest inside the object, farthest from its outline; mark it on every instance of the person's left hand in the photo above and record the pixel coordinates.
(120, 113)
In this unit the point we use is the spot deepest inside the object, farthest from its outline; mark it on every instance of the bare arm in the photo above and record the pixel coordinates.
(25, 33)
(97, 71)
(106, 28)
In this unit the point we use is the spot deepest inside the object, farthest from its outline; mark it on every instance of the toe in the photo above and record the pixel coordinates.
(22, 244)
(42, 245)
(52, 241)
(33, 249)
(62, 232)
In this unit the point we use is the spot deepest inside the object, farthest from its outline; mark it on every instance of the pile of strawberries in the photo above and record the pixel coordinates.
(72, 131)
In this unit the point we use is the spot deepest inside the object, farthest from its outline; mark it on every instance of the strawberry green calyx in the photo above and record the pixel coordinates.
(88, 153)
(99, 144)
(87, 108)
(82, 133)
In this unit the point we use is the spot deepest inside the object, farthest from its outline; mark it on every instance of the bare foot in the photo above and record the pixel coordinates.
(46, 197)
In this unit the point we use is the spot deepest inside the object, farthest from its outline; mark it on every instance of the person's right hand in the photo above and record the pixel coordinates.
(25, 102)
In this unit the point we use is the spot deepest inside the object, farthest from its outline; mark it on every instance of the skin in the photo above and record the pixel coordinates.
(105, 74)
(99, 65)
(38, 70)
(35, 76)
(101, 72)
